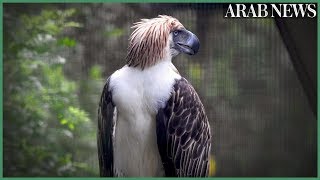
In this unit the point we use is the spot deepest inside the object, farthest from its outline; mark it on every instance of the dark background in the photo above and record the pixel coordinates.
(256, 78)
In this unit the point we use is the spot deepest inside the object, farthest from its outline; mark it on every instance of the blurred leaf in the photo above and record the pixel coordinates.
(115, 33)
(66, 13)
(63, 121)
(71, 126)
(74, 116)
(66, 41)
(72, 24)
(95, 72)
(51, 27)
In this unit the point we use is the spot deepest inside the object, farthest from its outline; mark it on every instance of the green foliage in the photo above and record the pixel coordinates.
(68, 42)
(113, 32)
(43, 121)
(49, 21)
(95, 72)
(73, 116)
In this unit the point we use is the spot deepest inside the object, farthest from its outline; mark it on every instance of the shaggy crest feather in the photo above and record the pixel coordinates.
(149, 40)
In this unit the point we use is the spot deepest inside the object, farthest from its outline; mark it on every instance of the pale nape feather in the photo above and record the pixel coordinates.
(149, 40)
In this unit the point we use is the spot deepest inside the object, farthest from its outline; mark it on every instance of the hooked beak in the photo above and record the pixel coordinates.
(186, 42)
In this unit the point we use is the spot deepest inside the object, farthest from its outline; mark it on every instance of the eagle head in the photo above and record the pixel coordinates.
(159, 39)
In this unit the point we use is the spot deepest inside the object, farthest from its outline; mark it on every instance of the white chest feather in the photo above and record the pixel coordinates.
(138, 95)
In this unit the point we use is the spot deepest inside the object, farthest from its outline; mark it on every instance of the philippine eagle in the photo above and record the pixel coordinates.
(151, 121)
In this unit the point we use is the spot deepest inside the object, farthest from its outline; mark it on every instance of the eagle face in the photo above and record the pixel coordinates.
(183, 41)
(158, 39)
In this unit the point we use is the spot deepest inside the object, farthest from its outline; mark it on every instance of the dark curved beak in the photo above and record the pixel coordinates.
(186, 42)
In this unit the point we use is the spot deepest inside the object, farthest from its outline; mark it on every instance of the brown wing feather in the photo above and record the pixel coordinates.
(187, 131)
